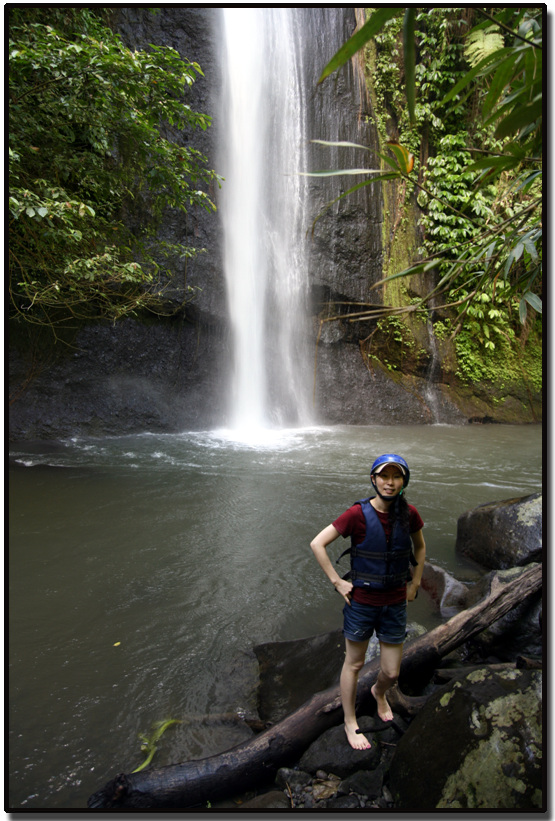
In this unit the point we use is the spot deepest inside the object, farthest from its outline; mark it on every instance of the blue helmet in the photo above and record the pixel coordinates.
(392, 459)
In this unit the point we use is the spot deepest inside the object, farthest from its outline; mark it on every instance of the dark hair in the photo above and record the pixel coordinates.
(399, 512)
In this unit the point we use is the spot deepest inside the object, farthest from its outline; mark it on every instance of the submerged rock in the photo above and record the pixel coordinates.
(447, 593)
(292, 671)
(477, 744)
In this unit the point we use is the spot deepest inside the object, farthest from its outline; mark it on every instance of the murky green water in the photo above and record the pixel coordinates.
(184, 550)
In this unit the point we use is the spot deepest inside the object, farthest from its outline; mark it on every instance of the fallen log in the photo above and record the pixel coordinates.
(406, 706)
(445, 674)
(255, 762)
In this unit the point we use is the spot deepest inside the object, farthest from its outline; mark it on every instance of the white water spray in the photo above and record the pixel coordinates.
(263, 206)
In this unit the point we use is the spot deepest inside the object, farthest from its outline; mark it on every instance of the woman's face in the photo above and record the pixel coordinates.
(389, 481)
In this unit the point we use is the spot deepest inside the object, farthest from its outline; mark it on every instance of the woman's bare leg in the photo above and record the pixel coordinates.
(355, 652)
(390, 665)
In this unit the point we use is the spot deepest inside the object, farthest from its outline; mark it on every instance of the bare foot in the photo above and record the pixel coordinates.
(384, 710)
(357, 740)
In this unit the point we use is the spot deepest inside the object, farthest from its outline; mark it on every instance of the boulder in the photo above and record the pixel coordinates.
(517, 633)
(332, 754)
(273, 800)
(502, 534)
(476, 744)
(447, 594)
(292, 671)
(343, 802)
(295, 780)
(414, 630)
(366, 783)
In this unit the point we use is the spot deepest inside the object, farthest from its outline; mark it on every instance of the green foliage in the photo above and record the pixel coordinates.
(481, 43)
(483, 218)
(488, 348)
(398, 343)
(454, 211)
(486, 321)
(98, 151)
(506, 364)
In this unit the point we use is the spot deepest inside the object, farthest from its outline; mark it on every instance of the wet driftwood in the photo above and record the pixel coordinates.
(256, 761)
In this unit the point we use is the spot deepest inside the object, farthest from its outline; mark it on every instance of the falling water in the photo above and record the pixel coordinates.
(263, 210)
(432, 374)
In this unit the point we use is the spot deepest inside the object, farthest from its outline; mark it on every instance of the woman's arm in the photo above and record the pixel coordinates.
(319, 544)
(419, 546)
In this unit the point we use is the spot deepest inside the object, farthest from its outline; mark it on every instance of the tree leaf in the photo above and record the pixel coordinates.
(471, 75)
(340, 172)
(405, 159)
(533, 300)
(360, 38)
(340, 144)
(481, 43)
(519, 118)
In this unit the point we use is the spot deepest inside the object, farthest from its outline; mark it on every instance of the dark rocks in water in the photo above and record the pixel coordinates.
(447, 593)
(502, 534)
(273, 800)
(476, 744)
(518, 632)
(364, 782)
(293, 779)
(505, 710)
(331, 753)
(292, 671)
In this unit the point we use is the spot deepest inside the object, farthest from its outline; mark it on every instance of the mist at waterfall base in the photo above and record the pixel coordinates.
(141, 567)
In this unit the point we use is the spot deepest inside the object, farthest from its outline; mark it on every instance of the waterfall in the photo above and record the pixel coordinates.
(431, 377)
(264, 213)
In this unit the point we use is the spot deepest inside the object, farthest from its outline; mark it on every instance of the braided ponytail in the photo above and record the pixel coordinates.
(399, 512)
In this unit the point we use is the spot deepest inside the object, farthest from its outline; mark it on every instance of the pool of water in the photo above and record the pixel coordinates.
(140, 566)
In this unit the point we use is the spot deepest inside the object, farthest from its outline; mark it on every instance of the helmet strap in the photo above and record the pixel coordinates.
(384, 498)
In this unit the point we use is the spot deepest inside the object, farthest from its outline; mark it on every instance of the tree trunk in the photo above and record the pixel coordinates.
(256, 761)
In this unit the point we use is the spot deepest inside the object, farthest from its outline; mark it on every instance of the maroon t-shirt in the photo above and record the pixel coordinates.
(353, 524)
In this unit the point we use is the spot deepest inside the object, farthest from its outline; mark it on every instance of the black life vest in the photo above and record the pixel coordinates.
(375, 564)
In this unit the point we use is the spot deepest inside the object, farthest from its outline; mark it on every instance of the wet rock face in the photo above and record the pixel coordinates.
(126, 378)
(193, 33)
(496, 719)
(502, 534)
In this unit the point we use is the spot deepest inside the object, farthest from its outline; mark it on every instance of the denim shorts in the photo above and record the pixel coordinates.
(389, 621)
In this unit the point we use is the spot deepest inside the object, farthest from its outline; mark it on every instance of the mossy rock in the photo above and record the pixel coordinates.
(477, 744)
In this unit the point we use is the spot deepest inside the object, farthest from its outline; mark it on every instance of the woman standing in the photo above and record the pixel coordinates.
(386, 539)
